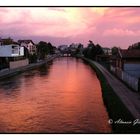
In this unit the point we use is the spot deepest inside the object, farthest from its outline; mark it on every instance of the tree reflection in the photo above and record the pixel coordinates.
(9, 85)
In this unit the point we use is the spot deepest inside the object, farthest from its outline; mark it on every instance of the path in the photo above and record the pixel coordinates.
(130, 99)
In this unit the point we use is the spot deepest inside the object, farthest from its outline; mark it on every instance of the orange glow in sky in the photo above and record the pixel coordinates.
(60, 25)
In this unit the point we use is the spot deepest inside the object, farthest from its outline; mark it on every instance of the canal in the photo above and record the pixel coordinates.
(61, 97)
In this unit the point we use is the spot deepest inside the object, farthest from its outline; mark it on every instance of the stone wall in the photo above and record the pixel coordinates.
(19, 63)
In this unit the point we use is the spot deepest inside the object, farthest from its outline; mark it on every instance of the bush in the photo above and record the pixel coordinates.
(32, 58)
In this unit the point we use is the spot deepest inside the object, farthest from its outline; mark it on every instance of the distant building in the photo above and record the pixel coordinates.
(107, 51)
(63, 47)
(64, 50)
(74, 45)
(29, 44)
(75, 48)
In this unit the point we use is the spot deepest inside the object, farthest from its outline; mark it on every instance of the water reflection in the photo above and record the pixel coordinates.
(44, 70)
(62, 97)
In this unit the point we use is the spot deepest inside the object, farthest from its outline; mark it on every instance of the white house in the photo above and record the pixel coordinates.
(12, 56)
(11, 50)
(29, 44)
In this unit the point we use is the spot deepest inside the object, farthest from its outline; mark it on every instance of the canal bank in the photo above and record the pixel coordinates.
(119, 107)
(11, 72)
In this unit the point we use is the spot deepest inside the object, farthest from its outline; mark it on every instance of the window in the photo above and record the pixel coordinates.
(15, 50)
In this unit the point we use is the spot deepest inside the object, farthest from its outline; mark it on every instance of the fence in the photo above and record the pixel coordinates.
(132, 81)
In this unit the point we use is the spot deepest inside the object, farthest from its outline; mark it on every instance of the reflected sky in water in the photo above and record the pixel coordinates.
(61, 97)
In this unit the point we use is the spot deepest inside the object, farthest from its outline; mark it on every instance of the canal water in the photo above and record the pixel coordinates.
(61, 97)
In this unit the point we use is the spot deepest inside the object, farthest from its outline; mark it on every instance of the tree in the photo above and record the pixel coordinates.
(44, 48)
(26, 52)
(50, 48)
(134, 46)
(91, 44)
(114, 50)
(7, 41)
(92, 50)
(33, 58)
(99, 49)
(79, 49)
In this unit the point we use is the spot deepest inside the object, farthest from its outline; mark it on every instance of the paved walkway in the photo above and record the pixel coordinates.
(129, 98)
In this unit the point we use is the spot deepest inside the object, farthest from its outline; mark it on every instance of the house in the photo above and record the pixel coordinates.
(12, 50)
(12, 56)
(29, 44)
(129, 61)
(126, 66)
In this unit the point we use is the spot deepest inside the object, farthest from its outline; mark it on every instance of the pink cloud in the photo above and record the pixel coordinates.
(74, 24)
(121, 32)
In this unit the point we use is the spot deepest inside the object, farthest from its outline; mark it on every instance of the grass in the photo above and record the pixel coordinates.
(115, 107)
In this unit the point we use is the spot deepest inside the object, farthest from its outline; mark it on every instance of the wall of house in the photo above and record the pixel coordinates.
(132, 69)
(8, 51)
(31, 48)
(132, 81)
(19, 63)
(5, 51)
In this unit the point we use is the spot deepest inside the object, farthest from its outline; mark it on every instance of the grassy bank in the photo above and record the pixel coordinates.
(115, 107)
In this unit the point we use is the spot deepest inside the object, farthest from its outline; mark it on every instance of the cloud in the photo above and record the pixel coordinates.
(121, 32)
(59, 22)
(74, 24)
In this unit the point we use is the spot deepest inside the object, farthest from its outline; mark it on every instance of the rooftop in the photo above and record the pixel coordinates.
(135, 53)
(25, 41)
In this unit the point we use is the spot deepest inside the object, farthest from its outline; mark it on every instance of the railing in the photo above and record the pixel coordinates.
(130, 80)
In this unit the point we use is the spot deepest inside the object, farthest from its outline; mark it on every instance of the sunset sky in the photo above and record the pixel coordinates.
(106, 26)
